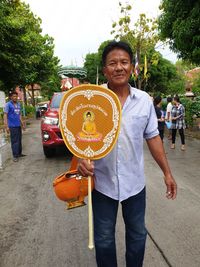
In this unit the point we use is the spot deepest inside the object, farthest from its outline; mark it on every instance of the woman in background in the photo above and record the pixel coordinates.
(178, 122)
(160, 116)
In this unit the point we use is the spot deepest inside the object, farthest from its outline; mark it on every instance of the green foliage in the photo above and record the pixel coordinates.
(93, 65)
(179, 23)
(141, 36)
(192, 110)
(50, 86)
(29, 109)
(26, 56)
(163, 78)
(196, 86)
(1, 116)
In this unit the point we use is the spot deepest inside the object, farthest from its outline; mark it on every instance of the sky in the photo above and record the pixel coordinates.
(80, 26)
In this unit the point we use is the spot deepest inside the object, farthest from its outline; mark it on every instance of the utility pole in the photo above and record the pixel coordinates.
(97, 76)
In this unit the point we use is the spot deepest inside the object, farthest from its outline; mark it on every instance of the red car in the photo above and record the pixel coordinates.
(51, 135)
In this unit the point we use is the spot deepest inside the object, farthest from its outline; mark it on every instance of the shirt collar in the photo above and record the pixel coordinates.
(132, 91)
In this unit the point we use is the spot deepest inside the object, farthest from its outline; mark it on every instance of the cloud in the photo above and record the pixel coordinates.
(79, 27)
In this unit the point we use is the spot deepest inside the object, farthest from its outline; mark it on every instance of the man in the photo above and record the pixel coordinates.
(119, 177)
(13, 123)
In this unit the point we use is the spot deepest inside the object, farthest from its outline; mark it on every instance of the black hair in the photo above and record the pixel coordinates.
(169, 99)
(113, 45)
(176, 98)
(157, 100)
(11, 93)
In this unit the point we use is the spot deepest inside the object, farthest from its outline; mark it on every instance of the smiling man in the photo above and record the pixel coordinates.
(13, 123)
(119, 177)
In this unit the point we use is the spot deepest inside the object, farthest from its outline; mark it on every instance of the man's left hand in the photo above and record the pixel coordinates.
(171, 187)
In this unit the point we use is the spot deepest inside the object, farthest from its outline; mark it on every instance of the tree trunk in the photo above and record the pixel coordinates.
(25, 99)
(33, 97)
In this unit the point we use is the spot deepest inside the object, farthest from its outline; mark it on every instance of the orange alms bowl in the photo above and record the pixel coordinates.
(72, 188)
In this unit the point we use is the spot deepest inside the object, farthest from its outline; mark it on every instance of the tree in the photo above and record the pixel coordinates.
(141, 36)
(26, 57)
(163, 78)
(93, 65)
(179, 23)
(196, 87)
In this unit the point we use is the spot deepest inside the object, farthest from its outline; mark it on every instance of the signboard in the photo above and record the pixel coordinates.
(89, 120)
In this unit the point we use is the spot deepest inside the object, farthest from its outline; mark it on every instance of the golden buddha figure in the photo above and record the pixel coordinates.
(88, 131)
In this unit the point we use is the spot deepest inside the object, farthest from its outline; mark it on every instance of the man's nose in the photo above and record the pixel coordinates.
(118, 66)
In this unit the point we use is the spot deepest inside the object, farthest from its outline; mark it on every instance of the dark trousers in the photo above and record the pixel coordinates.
(181, 133)
(16, 141)
(161, 133)
(105, 214)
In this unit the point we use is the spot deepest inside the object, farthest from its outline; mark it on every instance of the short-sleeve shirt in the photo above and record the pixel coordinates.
(178, 111)
(120, 174)
(169, 109)
(13, 113)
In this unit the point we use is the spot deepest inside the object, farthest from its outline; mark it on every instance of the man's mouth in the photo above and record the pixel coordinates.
(119, 76)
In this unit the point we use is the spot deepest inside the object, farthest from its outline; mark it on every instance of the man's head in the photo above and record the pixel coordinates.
(176, 99)
(157, 100)
(116, 45)
(13, 96)
(169, 99)
(117, 63)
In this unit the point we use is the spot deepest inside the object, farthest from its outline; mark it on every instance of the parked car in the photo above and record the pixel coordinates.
(51, 134)
(41, 108)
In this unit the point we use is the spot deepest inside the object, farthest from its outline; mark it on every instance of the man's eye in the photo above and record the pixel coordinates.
(111, 64)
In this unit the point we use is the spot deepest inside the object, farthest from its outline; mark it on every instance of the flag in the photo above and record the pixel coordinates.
(145, 67)
(136, 69)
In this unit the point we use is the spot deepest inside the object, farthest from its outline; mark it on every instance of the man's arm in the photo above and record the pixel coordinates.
(22, 123)
(156, 148)
(5, 119)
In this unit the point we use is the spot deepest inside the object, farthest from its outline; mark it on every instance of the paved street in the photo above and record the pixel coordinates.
(37, 231)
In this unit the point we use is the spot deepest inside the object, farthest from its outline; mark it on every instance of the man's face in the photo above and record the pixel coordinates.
(14, 98)
(118, 67)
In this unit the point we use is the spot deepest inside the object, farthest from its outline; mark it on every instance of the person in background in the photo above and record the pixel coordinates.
(168, 115)
(13, 123)
(119, 176)
(178, 122)
(160, 116)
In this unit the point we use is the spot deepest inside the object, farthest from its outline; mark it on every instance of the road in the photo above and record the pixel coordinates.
(37, 231)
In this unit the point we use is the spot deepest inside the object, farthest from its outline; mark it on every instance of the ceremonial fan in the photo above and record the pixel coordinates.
(89, 119)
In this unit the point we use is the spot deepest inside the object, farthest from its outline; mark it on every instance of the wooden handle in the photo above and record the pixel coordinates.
(90, 217)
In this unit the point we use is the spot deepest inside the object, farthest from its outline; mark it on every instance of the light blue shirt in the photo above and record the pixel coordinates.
(120, 174)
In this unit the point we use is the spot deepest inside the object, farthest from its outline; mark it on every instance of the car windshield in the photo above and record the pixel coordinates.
(55, 103)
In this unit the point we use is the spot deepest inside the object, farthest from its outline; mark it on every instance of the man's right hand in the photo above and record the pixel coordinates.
(86, 167)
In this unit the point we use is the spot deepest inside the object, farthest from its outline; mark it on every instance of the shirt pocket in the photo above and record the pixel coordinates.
(135, 125)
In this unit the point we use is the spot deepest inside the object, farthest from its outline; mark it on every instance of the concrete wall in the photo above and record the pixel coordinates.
(5, 150)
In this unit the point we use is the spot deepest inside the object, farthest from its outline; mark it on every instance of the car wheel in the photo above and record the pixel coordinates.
(49, 151)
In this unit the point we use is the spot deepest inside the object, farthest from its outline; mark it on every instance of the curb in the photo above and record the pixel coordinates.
(5, 154)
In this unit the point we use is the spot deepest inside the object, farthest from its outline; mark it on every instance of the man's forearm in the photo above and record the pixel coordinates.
(5, 119)
(157, 150)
